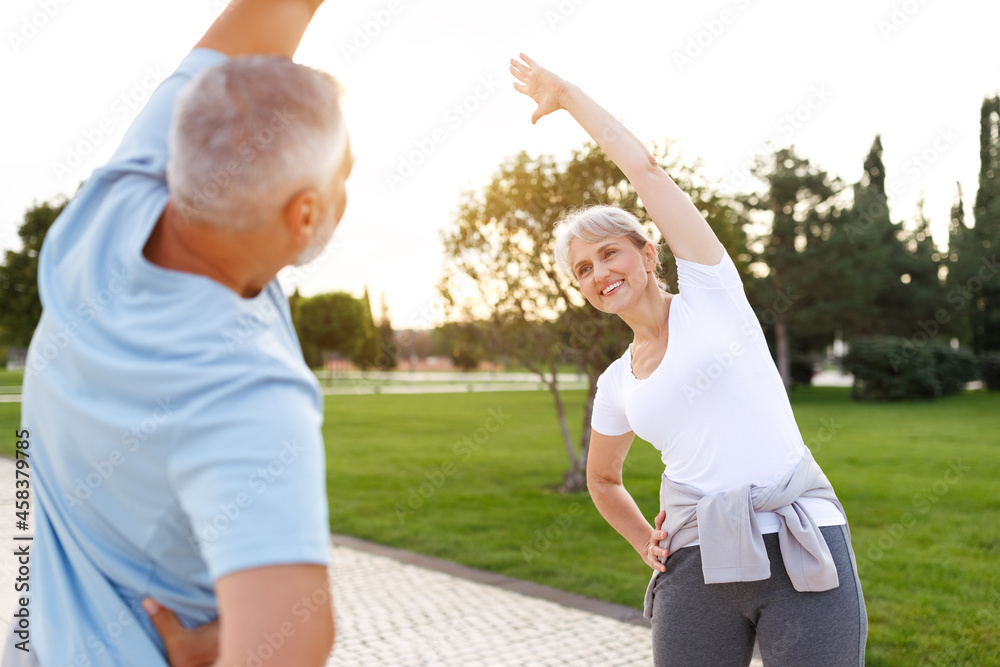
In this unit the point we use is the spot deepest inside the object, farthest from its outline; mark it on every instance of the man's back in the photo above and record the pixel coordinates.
(175, 428)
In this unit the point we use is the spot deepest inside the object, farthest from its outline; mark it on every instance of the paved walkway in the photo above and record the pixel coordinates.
(403, 609)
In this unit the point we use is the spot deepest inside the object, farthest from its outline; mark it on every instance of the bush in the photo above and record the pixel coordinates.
(989, 370)
(953, 368)
(894, 369)
(803, 369)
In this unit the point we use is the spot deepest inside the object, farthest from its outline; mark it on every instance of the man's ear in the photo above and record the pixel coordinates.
(302, 215)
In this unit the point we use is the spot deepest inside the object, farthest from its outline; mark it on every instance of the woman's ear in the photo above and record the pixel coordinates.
(649, 255)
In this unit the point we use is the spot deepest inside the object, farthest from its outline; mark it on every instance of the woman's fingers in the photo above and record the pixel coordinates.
(531, 63)
(660, 518)
(517, 75)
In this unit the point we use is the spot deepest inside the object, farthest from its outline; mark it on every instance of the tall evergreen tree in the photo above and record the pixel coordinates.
(388, 357)
(984, 285)
(922, 289)
(900, 276)
(961, 262)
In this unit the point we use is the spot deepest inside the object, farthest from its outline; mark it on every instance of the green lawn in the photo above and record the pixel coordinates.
(919, 481)
(11, 380)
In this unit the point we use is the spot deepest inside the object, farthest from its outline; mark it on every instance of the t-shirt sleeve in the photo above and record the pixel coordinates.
(608, 417)
(714, 296)
(253, 481)
(692, 275)
(145, 141)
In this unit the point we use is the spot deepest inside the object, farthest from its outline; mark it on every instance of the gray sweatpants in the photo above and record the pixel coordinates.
(715, 625)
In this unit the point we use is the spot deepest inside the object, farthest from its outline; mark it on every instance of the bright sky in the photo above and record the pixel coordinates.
(430, 100)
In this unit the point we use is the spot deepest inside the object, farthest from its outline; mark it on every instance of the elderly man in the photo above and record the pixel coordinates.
(173, 428)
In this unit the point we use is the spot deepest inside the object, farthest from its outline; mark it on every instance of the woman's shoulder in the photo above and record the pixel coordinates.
(613, 372)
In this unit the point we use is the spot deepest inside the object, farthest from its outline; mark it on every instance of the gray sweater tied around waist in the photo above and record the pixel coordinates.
(732, 547)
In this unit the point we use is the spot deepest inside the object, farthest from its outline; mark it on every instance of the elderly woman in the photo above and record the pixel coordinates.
(751, 542)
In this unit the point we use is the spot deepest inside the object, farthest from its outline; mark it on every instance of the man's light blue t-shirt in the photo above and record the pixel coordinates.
(174, 426)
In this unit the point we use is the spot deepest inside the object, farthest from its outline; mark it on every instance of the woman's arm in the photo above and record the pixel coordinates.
(681, 223)
(604, 481)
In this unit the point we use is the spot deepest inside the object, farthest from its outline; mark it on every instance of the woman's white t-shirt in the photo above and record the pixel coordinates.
(715, 406)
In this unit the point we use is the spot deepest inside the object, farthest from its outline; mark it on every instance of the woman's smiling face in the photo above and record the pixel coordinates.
(612, 273)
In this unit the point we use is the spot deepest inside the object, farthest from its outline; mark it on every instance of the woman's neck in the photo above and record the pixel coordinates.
(648, 318)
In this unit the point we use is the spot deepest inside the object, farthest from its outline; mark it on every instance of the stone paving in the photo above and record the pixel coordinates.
(390, 612)
(400, 609)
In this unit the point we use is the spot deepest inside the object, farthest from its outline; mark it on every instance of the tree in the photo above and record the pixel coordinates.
(501, 269)
(20, 307)
(367, 354)
(961, 261)
(985, 291)
(799, 204)
(462, 342)
(336, 322)
(921, 291)
(388, 357)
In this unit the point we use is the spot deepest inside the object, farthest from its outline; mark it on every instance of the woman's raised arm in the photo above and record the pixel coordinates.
(681, 223)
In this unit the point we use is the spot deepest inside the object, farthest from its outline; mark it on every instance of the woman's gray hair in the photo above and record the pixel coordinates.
(596, 223)
(248, 134)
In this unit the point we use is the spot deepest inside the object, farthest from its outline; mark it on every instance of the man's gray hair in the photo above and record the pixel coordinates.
(250, 133)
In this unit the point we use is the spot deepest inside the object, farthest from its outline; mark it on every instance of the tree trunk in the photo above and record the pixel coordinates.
(574, 478)
(588, 413)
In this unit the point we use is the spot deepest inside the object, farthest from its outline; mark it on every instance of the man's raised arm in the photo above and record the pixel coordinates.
(249, 27)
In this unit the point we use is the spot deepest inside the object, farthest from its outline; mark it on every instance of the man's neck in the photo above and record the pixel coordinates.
(198, 248)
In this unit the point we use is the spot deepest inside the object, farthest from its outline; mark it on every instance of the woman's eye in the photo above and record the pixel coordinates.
(584, 270)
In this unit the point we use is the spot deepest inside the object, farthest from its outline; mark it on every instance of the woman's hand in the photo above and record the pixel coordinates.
(185, 648)
(652, 552)
(541, 85)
